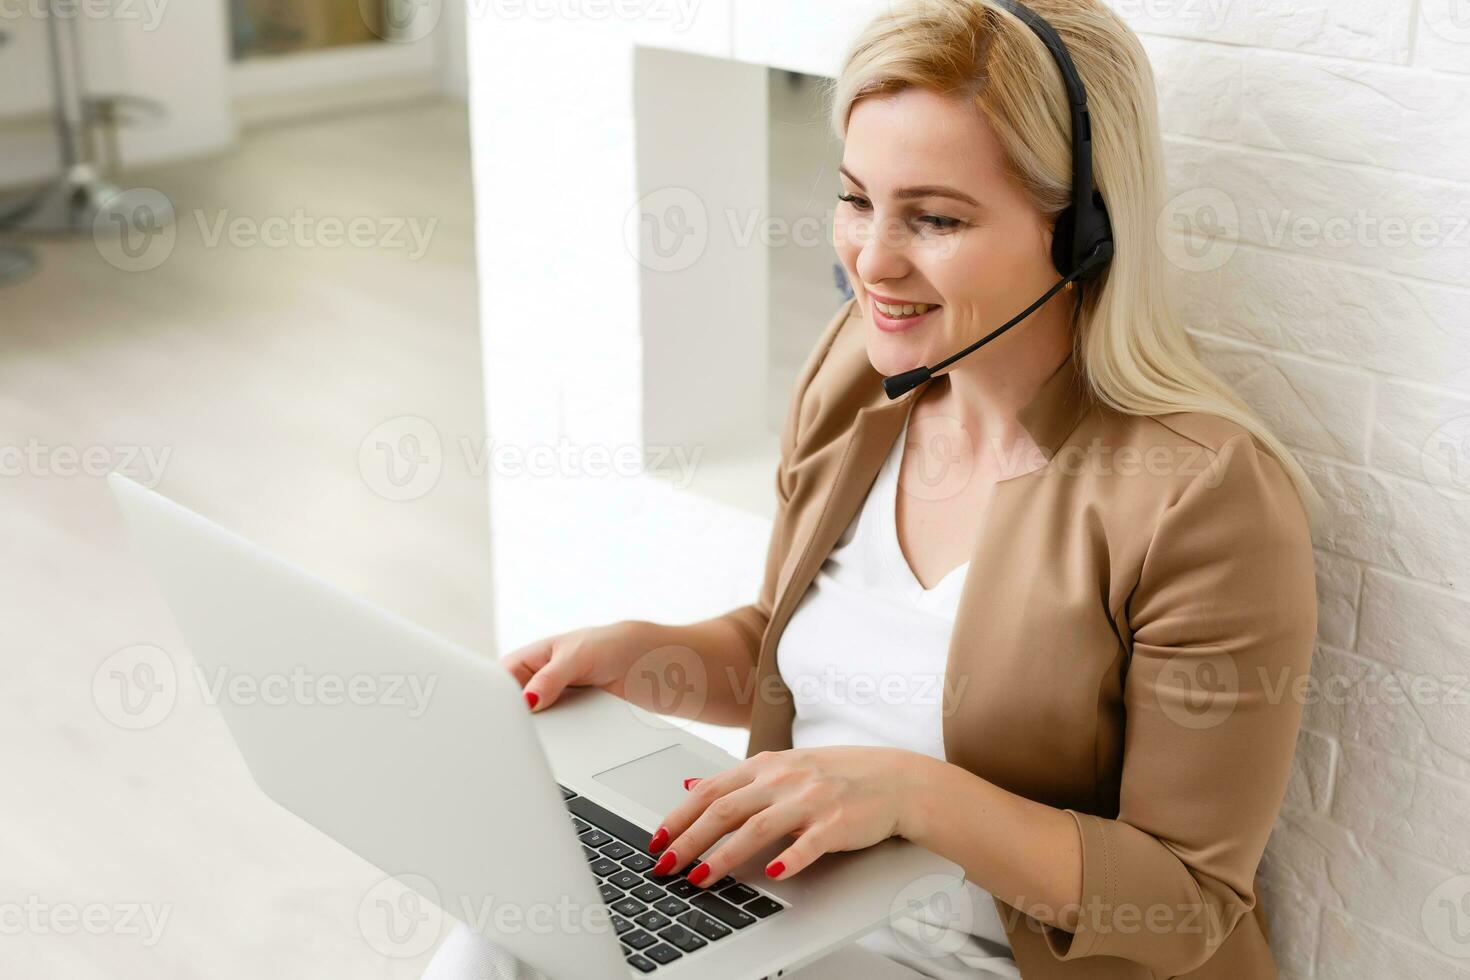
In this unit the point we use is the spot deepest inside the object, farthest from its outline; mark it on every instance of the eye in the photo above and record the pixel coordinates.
(939, 222)
(861, 203)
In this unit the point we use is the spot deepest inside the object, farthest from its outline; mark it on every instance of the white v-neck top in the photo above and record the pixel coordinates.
(864, 655)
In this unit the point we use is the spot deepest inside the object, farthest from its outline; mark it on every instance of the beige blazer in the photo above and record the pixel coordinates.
(1135, 617)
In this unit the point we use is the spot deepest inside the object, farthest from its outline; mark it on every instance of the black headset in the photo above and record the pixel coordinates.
(1082, 241)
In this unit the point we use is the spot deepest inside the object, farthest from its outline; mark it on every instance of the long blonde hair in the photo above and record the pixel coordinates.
(1132, 345)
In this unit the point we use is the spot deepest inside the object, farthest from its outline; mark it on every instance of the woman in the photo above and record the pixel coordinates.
(1073, 572)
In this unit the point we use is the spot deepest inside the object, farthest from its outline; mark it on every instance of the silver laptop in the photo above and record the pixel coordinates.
(531, 829)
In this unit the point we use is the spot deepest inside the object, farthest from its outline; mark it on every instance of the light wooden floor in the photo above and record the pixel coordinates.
(259, 371)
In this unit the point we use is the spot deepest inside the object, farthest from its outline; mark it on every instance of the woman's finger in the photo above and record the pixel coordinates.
(809, 845)
(771, 824)
(701, 792)
(716, 805)
(524, 661)
(548, 681)
(722, 816)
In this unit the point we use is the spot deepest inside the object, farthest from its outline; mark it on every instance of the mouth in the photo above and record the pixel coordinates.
(892, 316)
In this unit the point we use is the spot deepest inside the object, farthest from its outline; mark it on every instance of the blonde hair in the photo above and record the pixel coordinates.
(1132, 346)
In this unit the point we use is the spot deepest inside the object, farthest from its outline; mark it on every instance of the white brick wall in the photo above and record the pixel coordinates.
(1321, 123)
(1357, 351)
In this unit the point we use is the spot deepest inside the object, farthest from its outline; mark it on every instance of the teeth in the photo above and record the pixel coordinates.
(910, 309)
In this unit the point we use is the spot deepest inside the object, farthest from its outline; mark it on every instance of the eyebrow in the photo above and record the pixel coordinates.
(923, 190)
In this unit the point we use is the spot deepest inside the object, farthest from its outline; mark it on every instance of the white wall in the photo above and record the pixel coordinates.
(453, 52)
(1358, 353)
(1357, 350)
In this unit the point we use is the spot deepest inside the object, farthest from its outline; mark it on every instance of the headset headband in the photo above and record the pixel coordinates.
(1083, 238)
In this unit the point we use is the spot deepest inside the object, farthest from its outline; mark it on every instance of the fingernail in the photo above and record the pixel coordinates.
(531, 698)
(666, 863)
(700, 873)
(689, 783)
(659, 841)
(775, 868)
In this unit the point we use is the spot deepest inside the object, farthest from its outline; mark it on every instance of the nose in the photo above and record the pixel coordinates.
(883, 252)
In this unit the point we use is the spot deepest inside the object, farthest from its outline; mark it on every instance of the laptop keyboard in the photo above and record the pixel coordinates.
(658, 918)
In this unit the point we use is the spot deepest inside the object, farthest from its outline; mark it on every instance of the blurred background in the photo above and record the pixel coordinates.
(234, 239)
(238, 264)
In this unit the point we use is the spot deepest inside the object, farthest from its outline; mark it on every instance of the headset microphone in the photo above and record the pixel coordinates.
(1082, 242)
(900, 384)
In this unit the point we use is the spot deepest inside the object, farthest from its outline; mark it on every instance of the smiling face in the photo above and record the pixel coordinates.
(929, 216)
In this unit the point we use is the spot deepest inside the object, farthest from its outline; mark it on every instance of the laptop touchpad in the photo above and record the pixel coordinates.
(656, 780)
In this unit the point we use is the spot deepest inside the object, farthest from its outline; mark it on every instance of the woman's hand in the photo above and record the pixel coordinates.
(701, 670)
(598, 656)
(835, 798)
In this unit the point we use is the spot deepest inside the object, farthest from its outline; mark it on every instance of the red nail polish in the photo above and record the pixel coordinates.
(689, 783)
(700, 873)
(774, 869)
(666, 863)
(659, 841)
(531, 698)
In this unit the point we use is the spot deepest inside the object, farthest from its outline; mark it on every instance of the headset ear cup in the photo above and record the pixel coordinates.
(1063, 241)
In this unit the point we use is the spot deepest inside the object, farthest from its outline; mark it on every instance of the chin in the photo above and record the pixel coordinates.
(891, 355)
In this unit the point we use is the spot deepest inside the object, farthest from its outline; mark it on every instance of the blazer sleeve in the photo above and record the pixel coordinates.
(1223, 621)
(751, 619)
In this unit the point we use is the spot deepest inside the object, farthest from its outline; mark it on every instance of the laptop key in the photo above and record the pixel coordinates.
(617, 849)
(624, 879)
(737, 893)
(603, 867)
(624, 830)
(652, 921)
(638, 939)
(763, 906)
(671, 906)
(641, 963)
(662, 953)
(681, 888)
(704, 924)
(581, 825)
(722, 910)
(595, 838)
(678, 936)
(610, 894)
(723, 883)
(589, 853)
(647, 893)
(629, 907)
(637, 862)
(620, 924)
